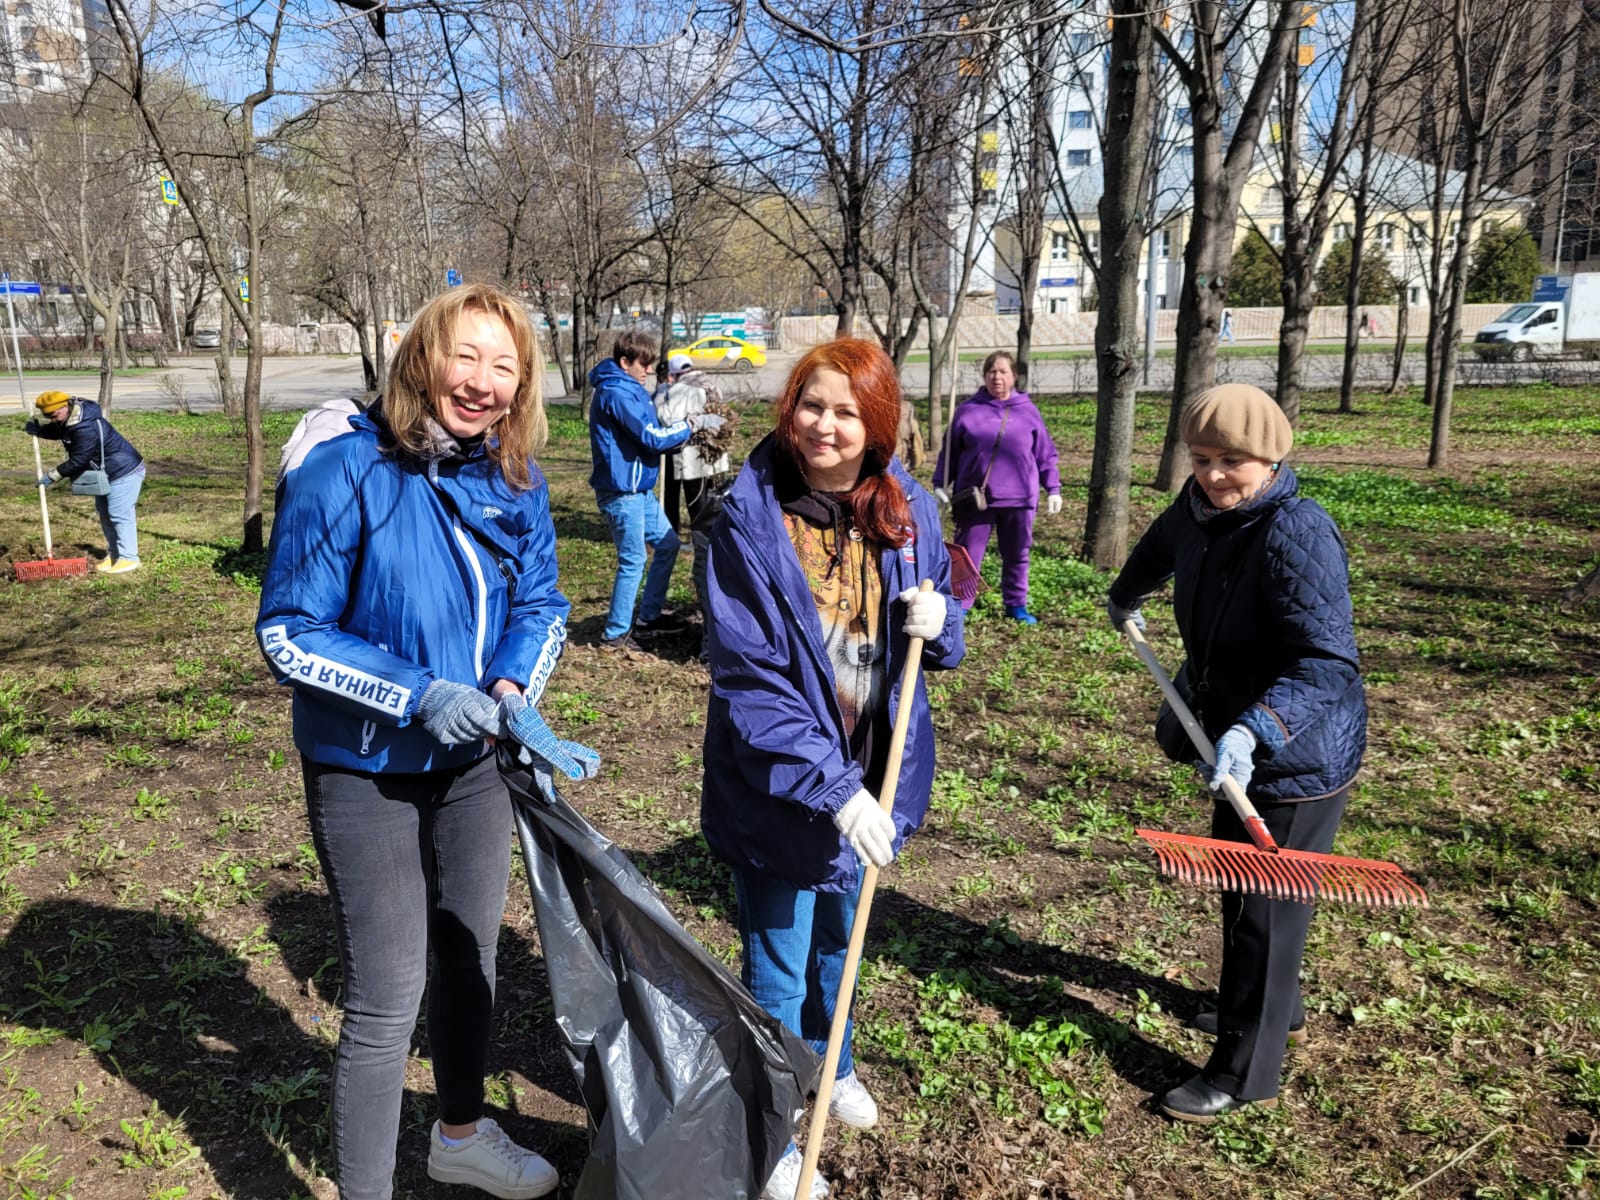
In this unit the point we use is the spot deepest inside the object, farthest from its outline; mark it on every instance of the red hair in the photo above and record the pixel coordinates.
(877, 503)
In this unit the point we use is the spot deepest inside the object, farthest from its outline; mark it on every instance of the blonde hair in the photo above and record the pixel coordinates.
(424, 356)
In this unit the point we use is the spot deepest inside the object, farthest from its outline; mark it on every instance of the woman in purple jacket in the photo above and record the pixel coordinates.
(812, 582)
(997, 442)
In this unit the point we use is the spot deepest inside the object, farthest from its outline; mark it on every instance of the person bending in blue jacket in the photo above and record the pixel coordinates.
(92, 443)
(1261, 592)
(626, 441)
(812, 581)
(410, 602)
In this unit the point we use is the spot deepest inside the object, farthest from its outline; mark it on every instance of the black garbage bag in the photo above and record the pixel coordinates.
(692, 1088)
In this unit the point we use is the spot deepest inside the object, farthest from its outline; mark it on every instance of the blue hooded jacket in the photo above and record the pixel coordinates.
(777, 762)
(89, 440)
(384, 574)
(1261, 593)
(626, 437)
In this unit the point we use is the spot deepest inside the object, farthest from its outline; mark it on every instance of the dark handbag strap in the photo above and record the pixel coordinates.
(994, 450)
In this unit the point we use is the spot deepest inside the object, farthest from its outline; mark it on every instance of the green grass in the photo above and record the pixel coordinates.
(169, 980)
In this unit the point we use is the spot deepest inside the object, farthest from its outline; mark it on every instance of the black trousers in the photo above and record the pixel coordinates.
(1263, 943)
(672, 489)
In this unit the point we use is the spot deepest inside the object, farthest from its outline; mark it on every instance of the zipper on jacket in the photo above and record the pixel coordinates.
(470, 548)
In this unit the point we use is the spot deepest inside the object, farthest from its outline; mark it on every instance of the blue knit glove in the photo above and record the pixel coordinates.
(44, 481)
(571, 759)
(1119, 614)
(1235, 750)
(456, 713)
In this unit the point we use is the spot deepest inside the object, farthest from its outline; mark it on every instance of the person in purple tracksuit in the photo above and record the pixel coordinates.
(998, 441)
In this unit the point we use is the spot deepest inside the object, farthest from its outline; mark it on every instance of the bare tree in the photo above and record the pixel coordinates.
(1491, 47)
(258, 44)
(1225, 35)
(83, 183)
(1130, 158)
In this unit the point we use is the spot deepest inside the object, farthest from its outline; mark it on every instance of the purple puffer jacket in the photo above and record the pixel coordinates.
(1024, 461)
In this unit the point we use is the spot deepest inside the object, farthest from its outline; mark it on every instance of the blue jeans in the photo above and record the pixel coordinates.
(795, 941)
(636, 522)
(116, 515)
(417, 867)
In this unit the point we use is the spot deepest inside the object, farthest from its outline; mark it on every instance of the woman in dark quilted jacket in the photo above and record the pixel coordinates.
(1261, 593)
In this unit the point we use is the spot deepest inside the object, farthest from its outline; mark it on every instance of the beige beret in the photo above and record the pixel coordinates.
(1237, 417)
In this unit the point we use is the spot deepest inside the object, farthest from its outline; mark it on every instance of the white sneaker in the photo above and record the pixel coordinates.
(851, 1103)
(490, 1160)
(786, 1177)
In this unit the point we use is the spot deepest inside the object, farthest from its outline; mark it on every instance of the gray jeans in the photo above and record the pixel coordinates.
(417, 867)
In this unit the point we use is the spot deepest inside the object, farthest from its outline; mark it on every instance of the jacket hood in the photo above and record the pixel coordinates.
(610, 368)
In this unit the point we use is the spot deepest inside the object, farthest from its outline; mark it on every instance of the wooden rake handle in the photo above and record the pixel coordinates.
(858, 930)
(44, 505)
(1251, 819)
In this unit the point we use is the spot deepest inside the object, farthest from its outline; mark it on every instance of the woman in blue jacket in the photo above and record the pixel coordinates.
(1261, 592)
(92, 443)
(410, 602)
(812, 582)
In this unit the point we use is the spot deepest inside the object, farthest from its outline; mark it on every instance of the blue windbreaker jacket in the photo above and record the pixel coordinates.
(777, 763)
(385, 574)
(1262, 598)
(89, 439)
(626, 437)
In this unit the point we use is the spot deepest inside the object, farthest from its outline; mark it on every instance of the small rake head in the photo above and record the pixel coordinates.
(1283, 874)
(51, 568)
(965, 582)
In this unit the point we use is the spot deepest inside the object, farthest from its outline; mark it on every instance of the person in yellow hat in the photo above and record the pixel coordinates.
(92, 444)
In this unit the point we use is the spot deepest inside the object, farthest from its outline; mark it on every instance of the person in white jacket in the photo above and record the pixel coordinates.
(687, 393)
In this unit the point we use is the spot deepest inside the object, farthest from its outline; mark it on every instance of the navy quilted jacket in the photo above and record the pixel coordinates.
(1262, 598)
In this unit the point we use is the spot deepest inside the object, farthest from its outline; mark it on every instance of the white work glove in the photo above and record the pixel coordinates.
(707, 421)
(941, 495)
(868, 829)
(1235, 756)
(925, 613)
(1053, 505)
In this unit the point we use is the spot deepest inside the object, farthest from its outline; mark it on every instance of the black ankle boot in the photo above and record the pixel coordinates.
(1199, 1102)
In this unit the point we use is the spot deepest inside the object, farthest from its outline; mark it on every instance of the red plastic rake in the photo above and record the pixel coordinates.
(965, 582)
(1264, 869)
(48, 567)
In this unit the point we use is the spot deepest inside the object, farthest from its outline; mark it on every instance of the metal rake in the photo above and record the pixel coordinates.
(1265, 868)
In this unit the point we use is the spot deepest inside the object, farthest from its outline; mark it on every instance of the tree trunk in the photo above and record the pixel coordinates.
(1450, 335)
(378, 376)
(113, 321)
(1397, 361)
(1358, 253)
(255, 448)
(1117, 331)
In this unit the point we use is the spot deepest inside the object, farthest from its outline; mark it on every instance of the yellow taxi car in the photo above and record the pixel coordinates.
(724, 352)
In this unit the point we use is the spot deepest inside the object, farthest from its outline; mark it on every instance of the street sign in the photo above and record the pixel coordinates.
(452, 278)
(1059, 281)
(169, 192)
(244, 289)
(16, 287)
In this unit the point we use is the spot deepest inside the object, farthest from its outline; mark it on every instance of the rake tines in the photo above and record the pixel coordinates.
(1283, 874)
(965, 581)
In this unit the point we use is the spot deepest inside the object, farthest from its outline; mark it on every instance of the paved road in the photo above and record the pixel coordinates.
(295, 382)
